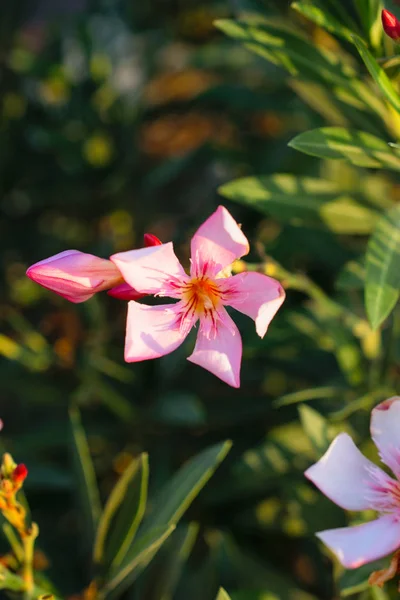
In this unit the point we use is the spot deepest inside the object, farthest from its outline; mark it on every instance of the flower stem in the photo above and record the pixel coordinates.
(28, 542)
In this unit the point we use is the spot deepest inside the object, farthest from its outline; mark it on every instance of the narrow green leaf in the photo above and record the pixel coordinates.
(308, 394)
(122, 513)
(141, 553)
(378, 74)
(87, 485)
(357, 147)
(175, 553)
(178, 494)
(370, 14)
(303, 201)
(322, 18)
(222, 595)
(382, 268)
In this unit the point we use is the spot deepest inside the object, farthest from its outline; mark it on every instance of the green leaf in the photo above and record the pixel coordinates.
(357, 147)
(167, 508)
(178, 494)
(352, 276)
(87, 485)
(355, 581)
(382, 268)
(303, 201)
(287, 47)
(222, 595)
(175, 554)
(370, 14)
(378, 74)
(140, 554)
(316, 428)
(122, 514)
(309, 394)
(322, 18)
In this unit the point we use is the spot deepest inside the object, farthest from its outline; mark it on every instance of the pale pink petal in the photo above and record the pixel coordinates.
(220, 350)
(356, 546)
(75, 275)
(255, 295)
(217, 243)
(385, 431)
(151, 270)
(151, 331)
(124, 292)
(344, 475)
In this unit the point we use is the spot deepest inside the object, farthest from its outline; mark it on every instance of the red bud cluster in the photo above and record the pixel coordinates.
(20, 473)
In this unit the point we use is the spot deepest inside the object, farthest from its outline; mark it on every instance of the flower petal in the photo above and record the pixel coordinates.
(344, 475)
(151, 331)
(150, 270)
(255, 295)
(217, 243)
(356, 546)
(220, 350)
(75, 275)
(385, 431)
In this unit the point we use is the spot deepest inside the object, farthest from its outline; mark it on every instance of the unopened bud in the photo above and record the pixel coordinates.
(151, 240)
(8, 466)
(20, 473)
(391, 25)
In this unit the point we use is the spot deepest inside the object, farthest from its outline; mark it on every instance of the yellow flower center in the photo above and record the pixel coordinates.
(201, 294)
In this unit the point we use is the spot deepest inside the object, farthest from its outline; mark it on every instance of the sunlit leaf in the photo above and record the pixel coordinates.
(286, 46)
(322, 18)
(303, 201)
(378, 74)
(382, 268)
(222, 595)
(357, 147)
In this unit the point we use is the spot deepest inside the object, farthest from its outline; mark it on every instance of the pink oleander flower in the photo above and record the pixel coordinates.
(77, 276)
(354, 483)
(154, 331)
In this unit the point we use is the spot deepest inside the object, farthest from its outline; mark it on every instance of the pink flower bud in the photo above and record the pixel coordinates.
(125, 291)
(391, 25)
(75, 275)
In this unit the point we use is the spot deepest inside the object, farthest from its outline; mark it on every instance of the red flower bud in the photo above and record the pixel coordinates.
(20, 473)
(151, 240)
(391, 25)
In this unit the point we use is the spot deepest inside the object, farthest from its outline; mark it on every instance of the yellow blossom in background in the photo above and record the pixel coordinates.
(118, 226)
(14, 105)
(100, 66)
(98, 150)
(20, 60)
(54, 90)
(103, 98)
(9, 348)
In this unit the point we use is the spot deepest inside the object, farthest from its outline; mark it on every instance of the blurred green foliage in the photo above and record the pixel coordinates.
(119, 118)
